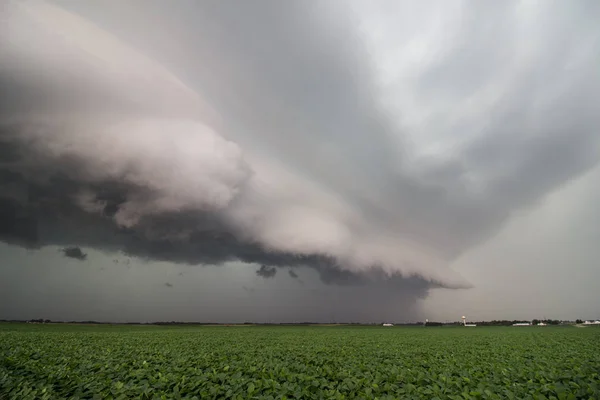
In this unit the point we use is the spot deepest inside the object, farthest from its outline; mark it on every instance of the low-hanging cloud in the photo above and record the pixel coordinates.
(301, 158)
(266, 272)
(74, 252)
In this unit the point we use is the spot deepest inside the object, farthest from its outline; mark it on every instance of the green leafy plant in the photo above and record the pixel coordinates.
(252, 362)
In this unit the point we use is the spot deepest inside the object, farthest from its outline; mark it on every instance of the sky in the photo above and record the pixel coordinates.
(299, 161)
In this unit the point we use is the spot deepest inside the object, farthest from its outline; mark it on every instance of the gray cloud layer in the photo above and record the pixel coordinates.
(301, 158)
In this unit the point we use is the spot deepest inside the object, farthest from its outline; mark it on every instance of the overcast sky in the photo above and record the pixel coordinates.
(299, 161)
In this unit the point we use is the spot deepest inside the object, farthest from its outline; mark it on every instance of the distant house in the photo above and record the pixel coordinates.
(522, 324)
(388, 324)
(592, 322)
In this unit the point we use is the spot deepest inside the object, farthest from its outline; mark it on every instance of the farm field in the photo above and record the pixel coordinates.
(337, 362)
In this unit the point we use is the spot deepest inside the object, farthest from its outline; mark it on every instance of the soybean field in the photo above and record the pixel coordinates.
(60, 361)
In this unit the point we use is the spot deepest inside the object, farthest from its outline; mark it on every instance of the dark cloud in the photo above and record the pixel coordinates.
(168, 284)
(74, 252)
(17, 225)
(266, 272)
(63, 222)
(292, 273)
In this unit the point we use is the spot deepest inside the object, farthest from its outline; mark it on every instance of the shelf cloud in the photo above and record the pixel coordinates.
(285, 134)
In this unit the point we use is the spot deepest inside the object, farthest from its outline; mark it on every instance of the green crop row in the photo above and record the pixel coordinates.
(73, 362)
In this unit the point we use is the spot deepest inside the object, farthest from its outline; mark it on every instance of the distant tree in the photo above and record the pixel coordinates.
(579, 321)
(552, 322)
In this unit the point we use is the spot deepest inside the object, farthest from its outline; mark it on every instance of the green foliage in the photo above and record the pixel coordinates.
(108, 362)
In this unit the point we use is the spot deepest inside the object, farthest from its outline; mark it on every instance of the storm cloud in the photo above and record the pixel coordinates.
(74, 252)
(266, 272)
(277, 133)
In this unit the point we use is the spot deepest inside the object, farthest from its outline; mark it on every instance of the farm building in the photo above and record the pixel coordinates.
(592, 322)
